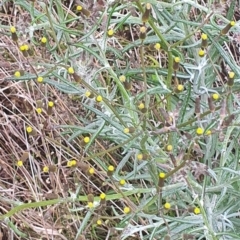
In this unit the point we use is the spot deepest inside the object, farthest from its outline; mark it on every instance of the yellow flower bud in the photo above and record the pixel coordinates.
(157, 46)
(143, 31)
(140, 156)
(40, 79)
(208, 132)
(230, 81)
(162, 175)
(126, 210)
(227, 28)
(102, 196)
(176, 62)
(79, 8)
(110, 32)
(86, 139)
(122, 78)
(204, 38)
(215, 96)
(22, 48)
(29, 129)
(99, 222)
(14, 34)
(99, 98)
(89, 94)
(17, 74)
(45, 169)
(197, 210)
(111, 168)
(146, 14)
(200, 131)
(44, 40)
(39, 110)
(72, 163)
(19, 163)
(90, 205)
(169, 148)
(167, 205)
(50, 104)
(122, 182)
(141, 106)
(91, 171)
(180, 87)
(70, 70)
(13, 29)
(201, 53)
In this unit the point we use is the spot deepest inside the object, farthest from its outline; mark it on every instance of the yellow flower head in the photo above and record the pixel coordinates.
(90, 204)
(91, 171)
(69, 163)
(12, 29)
(126, 130)
(204, 36)
(72, 163)
(167, 205)
(169, 148)
(227, 27)
(180, 87)
(86, 139)
(200, 131)
(231, 74)
(201, 53)
(208, 132)
(143, 29)
(122, 78)
(110, 32)
(29, 129)
(46, 169)
(22, 48)
(87, 93)
(141, 106)
(102, 196)
(177, 59)
(39, 110)
(162, 175)
(111, 168)
(99, 222)
(26, 47)
(50, 104)
(140, 156)
(215, 96)
(19, 163)
(196, 210)
(79, 8)
(17, 74)
(40, 79)
(126, 210)
(70, 70)
(122, 182)
(99, 98)
(43, 40)
(157, 46)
